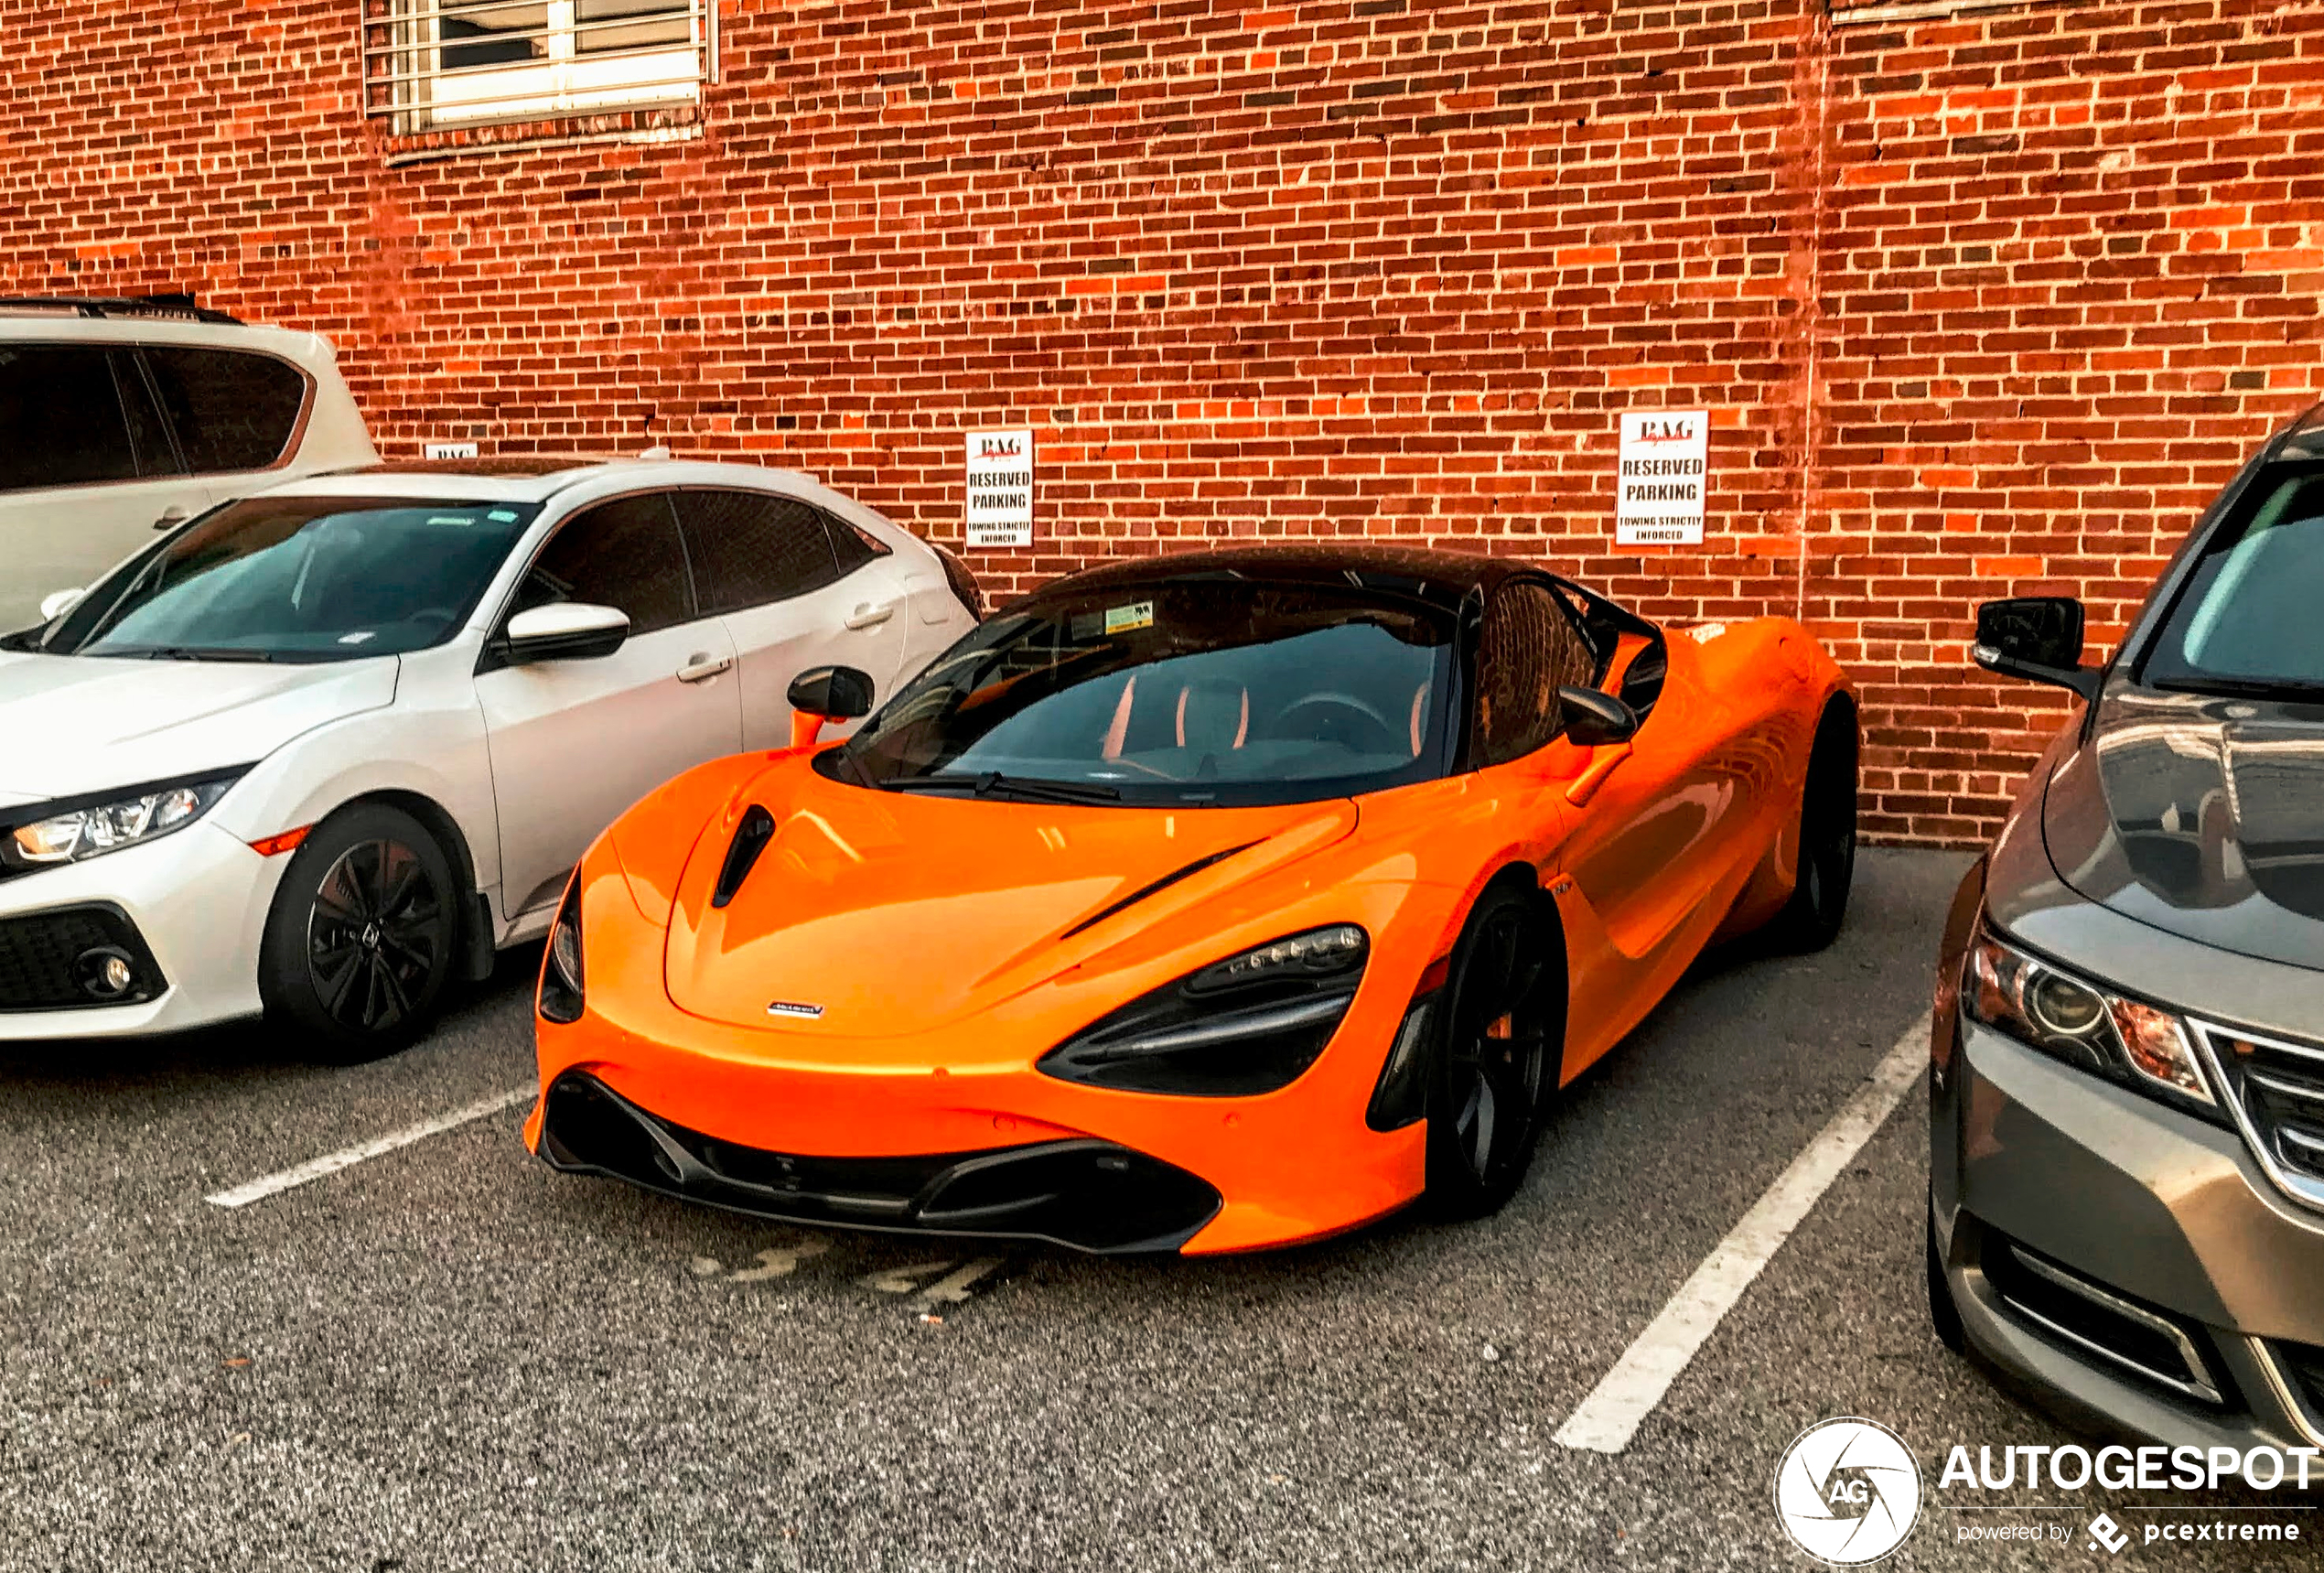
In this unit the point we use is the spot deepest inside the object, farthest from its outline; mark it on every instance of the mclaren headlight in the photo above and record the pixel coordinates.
(73, 830)
(560, 996)
(2127, 1040)
(1248, 1024)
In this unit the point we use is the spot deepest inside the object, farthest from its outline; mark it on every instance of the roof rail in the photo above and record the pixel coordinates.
(178, 307)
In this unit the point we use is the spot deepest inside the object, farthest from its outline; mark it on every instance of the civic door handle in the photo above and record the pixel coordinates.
(170, 519)
(700, 668)
(869, 615)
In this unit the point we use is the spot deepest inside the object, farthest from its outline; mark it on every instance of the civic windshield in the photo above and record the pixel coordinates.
(2246, 620)
(1193, 692)
(300, 580)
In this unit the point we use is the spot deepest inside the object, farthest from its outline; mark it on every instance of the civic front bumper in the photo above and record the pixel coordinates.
(2129, 1264)
(189, 908)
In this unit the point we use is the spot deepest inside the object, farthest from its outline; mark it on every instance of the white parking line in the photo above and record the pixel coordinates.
(332, 1162)
(1622, 1399)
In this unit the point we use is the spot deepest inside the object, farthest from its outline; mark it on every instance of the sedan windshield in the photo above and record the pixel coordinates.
(2246, 621)
(300, 580)
(1190, 692)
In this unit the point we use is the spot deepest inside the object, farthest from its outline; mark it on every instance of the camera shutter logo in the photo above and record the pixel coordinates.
(1847, 1492)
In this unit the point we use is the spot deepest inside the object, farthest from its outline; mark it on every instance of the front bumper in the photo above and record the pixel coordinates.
(196, 904)
(2119, 1258)
(1090, 1195)
(1296, 1164)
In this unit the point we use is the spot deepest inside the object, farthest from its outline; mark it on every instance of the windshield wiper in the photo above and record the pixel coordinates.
(2293, 688)
(188, 653)
(1024, 788)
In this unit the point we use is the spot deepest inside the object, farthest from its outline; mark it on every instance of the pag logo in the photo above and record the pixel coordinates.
(1847, 1492)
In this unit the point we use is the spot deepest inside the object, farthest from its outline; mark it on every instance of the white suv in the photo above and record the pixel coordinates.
(121, 417)
(320, 751)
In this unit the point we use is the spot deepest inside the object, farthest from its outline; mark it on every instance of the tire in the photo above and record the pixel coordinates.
(1944, 1316)
(1493, 1064)
(362, 938)
(1811, 920)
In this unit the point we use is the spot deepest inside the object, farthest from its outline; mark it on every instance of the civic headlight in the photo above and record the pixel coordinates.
(1248, 1024)
(80, 829)
(2125, 1040)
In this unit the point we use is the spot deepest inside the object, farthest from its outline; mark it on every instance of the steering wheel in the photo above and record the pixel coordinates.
(1344, 720)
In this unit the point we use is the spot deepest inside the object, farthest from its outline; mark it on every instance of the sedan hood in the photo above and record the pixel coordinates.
(86, 724)
(2198, 816)
(880, 913)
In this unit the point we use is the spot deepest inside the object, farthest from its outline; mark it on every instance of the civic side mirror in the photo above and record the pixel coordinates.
(1591, 719)
(2038, 638)
(568, 631)
(56, 603)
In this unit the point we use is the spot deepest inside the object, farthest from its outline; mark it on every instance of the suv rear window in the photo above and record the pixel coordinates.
(232, 410)
(60, 418)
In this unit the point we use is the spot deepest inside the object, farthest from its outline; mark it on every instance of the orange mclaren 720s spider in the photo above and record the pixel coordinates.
(1199, 903)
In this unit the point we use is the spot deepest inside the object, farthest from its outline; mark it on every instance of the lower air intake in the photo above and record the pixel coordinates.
(1088, 1194)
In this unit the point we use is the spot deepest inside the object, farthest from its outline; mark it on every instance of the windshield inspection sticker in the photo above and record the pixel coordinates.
(1129, 619)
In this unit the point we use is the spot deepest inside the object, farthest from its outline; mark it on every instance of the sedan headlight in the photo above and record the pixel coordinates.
(2125, 1040)
(77, 829)
(1248, 1024)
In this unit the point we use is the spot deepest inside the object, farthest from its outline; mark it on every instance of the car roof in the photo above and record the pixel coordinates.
(1436, 575)
(527, 477)
(2305, 437)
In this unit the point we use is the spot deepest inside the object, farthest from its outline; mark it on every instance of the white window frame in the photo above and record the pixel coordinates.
(405, 78)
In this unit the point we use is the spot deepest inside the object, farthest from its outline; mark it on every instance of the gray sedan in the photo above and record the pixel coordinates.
(2126, 1181)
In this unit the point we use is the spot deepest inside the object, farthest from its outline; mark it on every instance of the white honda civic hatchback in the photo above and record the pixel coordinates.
(320, 751)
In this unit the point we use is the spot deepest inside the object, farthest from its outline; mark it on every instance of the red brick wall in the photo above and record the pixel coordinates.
(1980, 304)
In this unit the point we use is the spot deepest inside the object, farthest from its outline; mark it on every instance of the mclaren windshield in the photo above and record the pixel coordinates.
(298, 580)
(1190, 691)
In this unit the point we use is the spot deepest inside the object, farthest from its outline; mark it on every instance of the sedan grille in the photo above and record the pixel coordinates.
(2275, 1091)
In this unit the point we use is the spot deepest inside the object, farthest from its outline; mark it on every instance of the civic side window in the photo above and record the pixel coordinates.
(231, 410)
(851, 547)
(624, 554)
(751, 548)
(1529, 649)
(61, 421)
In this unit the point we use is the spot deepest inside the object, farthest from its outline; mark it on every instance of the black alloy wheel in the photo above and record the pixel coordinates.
(1499, 1040)
(1811, 920)
(362, 939)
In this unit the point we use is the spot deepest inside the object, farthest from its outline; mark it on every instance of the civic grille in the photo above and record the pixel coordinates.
(2275, 1091)
(52, 961)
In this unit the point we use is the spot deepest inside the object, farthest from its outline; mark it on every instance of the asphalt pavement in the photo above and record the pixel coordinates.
(446, 1356)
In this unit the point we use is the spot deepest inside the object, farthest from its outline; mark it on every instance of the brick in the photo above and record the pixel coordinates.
(1993, 315)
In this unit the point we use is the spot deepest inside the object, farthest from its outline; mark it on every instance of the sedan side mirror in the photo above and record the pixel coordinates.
(2038, 638)
(56, 603)
(824, 694)
(1591, 719)
(568, 631)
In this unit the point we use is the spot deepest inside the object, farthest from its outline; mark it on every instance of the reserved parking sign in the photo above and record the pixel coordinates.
(1000, 489)
(1662, 479)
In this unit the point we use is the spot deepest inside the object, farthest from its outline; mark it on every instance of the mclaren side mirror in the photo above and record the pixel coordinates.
(56, 603)
(2038, 638)
(824, 694)
(566, 632)
(1592, 720)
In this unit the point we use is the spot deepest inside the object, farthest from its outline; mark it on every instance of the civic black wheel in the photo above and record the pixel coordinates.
(360, 942)
(1500, 1035)
(1819, 904)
